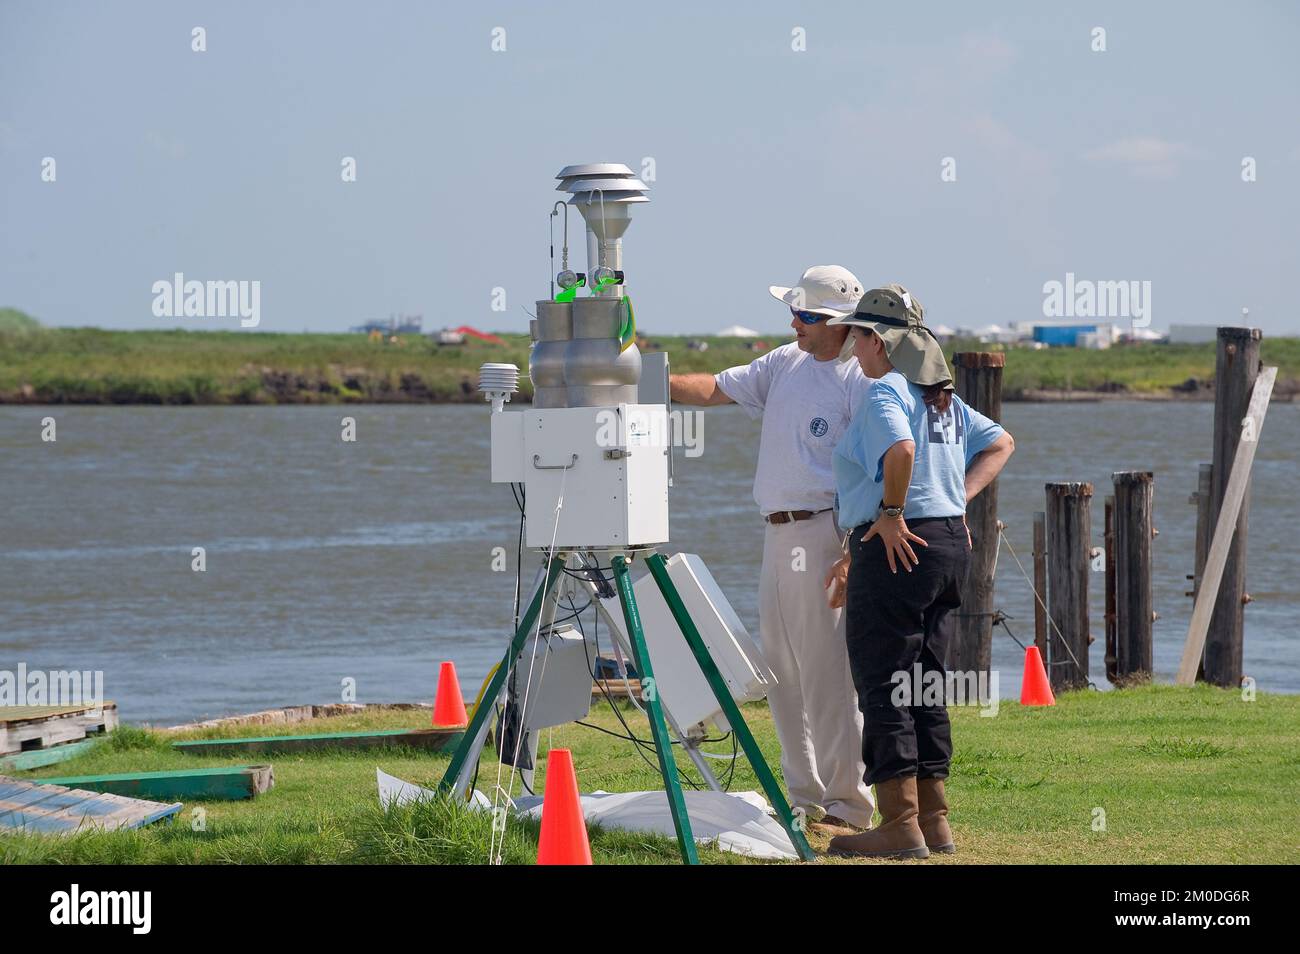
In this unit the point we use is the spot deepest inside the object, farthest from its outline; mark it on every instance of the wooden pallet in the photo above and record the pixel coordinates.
(434, 740)
(28, 728)
(618, 688)
(55, 810)
(222, 783)
(37, 758)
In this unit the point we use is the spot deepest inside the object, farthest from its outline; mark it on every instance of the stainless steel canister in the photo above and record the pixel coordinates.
(598, 371)
(547, 358)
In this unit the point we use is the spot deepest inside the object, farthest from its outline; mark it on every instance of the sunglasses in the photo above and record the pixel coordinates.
(807, 317)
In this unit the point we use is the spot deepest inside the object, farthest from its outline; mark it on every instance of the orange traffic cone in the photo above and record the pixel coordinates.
(1035, 689)
(564, 832)
(449, 707)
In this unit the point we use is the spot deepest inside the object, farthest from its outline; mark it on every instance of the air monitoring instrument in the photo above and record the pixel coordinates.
(590, 463)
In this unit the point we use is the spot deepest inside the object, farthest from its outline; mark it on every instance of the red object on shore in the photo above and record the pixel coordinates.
(480, 335)
(564, 831)
(1035, 688)
(449, 705)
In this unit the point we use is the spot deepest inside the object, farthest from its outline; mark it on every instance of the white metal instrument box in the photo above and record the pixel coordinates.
(682, 687)
(595, 477)
(564, 657)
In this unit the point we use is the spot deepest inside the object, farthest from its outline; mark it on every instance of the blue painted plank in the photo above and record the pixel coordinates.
(53, 809)
(45, 824)
(25, 761)
(217, 782)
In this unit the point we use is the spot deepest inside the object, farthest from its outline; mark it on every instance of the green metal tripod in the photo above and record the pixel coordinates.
(458, 771)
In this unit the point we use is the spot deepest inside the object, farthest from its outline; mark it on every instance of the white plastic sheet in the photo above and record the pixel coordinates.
(737, 822)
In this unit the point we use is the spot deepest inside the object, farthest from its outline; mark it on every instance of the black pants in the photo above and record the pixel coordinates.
(896, 620)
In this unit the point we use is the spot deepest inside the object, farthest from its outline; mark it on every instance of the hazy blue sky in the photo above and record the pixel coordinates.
(225, 164)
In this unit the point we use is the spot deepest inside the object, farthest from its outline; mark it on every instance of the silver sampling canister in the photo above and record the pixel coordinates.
(546, 360)
(598, 370)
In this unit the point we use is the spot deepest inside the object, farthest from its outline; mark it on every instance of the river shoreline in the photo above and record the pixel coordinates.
(315, 398)
(88, 366)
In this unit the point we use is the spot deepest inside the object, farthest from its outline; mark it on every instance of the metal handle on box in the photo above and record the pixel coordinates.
(540, 466)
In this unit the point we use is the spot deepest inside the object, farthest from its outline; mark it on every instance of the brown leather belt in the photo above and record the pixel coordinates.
(789, 516)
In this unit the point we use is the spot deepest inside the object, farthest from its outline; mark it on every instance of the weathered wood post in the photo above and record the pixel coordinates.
(1204, 530)
(1235, 371)
(1134, 609)
(979, 384)
(1108, 547)
(1069, 531)
(1040, 583)
(1201, 499)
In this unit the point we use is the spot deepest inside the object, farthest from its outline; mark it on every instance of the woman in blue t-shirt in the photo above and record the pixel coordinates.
(912, 458)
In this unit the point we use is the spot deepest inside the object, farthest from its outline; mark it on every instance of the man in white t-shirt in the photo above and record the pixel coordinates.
(805, 392)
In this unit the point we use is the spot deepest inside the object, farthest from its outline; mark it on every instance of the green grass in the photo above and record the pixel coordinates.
(93, 366)
(1137, 369)
(1179, 775)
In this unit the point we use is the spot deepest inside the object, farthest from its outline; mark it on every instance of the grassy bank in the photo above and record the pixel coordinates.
(1182, 776)
(91, 366)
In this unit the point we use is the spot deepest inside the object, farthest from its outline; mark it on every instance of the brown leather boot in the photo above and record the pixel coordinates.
(933, 815)
(898, 835)
(830, 825)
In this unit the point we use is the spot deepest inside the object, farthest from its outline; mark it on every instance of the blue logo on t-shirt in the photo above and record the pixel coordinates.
(818, 426)
(945, 426)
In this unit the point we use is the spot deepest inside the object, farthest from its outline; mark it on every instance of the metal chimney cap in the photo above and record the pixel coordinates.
(607, 185)
(595, 169)
(610, 198)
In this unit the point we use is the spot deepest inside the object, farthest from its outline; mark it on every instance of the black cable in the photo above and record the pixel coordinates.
(735, 756)
(595, 563)
(574, 615)
(1000, 618)
(630, 736)
(617, 735)
(582, 576)
(519, 549)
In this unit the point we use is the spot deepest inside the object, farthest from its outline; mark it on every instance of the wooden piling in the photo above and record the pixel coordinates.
(1108, 547)
(1204, 530)
(1134, 608)
(1225, 529)
(1201, 499)
(1235, 370)
(979, 384)
(1040, 583)
(1069, 531)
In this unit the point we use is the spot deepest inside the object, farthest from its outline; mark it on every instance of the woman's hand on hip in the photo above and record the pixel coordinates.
(898, 541)
(837, 582)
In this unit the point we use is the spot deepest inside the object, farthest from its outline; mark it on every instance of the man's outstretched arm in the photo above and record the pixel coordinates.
(699, 389)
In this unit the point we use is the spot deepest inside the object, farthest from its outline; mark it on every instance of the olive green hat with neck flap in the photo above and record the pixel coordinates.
(912, 348)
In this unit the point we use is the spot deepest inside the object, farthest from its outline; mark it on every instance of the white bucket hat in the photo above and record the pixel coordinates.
(829, 290)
